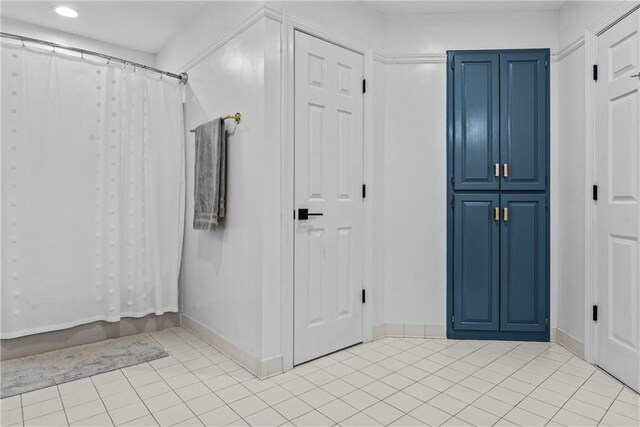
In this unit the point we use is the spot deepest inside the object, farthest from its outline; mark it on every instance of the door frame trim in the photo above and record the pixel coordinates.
(591, 292)
(290, 24)
(494, 335)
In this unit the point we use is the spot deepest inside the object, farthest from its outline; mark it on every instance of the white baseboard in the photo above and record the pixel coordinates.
(409, 330)
(421, 330)
(569, 342)
(262, 368)
(89, 333)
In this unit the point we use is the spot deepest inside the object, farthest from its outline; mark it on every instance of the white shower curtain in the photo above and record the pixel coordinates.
(92, 191)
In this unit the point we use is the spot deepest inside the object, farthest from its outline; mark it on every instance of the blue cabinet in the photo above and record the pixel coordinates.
(476, 246)
(523, 262)
(523, 120)
(498, 218)
(477, 132)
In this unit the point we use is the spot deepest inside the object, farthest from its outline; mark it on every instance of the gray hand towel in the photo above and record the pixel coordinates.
(210, 175)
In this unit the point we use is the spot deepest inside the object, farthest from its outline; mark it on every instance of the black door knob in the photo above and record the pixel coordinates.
(303, 213)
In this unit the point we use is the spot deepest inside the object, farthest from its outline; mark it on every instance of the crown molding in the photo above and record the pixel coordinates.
(613, 16)
(255, 17)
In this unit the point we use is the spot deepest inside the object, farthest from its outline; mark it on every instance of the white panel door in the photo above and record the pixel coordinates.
(618, 212)
(328, 181)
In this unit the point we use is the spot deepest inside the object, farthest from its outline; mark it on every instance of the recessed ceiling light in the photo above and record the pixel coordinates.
(66, 12)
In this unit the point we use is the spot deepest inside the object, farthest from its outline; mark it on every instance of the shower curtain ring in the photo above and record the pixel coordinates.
(23, 43)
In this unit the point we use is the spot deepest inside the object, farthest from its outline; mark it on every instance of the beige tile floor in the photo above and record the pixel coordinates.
(392, 381)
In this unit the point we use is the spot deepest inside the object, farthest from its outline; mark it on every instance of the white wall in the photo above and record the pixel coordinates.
(350, 19)
(415, 147)
(437, 33)
(376, 192)
(13, 26)
(224, 271)
(571, 195)
(415, 194)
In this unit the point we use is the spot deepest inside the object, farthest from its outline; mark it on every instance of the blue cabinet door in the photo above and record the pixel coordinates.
(523, 263)
(476, 256)
(476, 121)
(523, 120)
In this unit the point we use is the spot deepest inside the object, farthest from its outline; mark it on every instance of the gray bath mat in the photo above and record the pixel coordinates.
(56, 367)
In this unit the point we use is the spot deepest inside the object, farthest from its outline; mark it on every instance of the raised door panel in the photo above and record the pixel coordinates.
(523, 121)
(523, 263)
(476, 121)
(476, 256)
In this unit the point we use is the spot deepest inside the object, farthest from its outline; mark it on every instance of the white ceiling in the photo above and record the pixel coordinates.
(453, 6)
(141, 25)
(148, 26)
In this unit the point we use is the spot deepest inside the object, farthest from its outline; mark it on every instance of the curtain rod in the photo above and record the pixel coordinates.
(182, 77)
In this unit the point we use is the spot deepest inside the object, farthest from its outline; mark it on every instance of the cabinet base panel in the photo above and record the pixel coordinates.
(498, 335)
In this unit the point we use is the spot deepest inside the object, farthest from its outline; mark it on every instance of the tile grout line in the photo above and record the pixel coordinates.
(414, 381)
(435, 373)
(22, 411)
(101, 400)
(470, 375)
(169, 385)
(587, 403)
(141, 400)
(430, 374)
(202, 382)
(485, 393)
(64, 411)
(454, 383)
(535, 388)
(569, 398)
(610, 405)
(252, 393)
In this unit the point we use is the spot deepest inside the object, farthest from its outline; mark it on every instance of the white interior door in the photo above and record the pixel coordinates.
(618, 213)
(328, 181)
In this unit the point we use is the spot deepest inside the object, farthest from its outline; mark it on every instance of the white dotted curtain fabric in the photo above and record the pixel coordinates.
(92, 191)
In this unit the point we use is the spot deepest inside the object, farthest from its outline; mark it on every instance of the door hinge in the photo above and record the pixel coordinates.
(364, 296)
(546, 321)
(364, 85)
(453, 318)
(364, 191)
(453, 179)
(595, 313)
(594, 194)
(453, 203)
(546, 204)
(453, 64)
(595, 72)
(546, 63)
